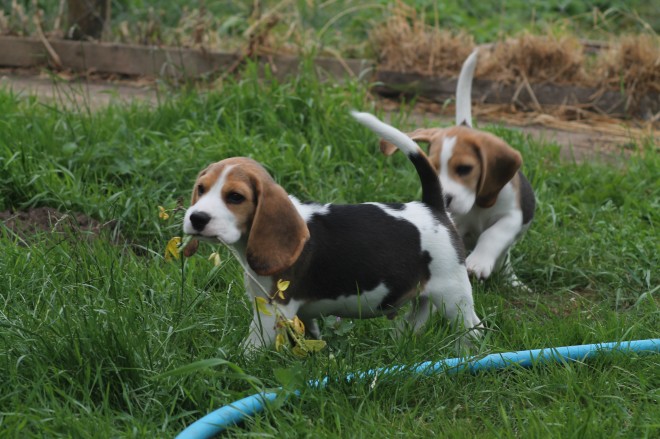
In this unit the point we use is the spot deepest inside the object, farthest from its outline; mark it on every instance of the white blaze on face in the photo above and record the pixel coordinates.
(223, 224)
(463, 198)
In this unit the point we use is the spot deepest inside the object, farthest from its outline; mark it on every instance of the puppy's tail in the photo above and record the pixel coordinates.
(431, 189)
(464, 91)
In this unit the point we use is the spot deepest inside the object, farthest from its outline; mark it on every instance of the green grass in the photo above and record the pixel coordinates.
(343, 26)
(88, 327)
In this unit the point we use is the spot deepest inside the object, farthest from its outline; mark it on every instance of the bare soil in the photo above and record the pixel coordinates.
(75, 92)
(48, 220)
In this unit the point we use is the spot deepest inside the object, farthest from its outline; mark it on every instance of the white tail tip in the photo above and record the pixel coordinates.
(387, 132)
(464, 90)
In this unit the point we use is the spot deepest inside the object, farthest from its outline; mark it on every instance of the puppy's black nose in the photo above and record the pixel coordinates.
(448, 199)
(199, 220)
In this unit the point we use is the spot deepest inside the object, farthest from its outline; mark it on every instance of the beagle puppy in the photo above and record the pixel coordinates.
(359, 261)
(489, 199)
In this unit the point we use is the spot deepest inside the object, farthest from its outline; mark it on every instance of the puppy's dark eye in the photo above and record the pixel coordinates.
(463, 169)
(200, 190)
(234, 198)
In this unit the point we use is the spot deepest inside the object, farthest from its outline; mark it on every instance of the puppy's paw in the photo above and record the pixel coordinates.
(479, 266)
(519, 285)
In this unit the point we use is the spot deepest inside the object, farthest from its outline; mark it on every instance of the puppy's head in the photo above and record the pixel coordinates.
(473, 166)
(237, 200)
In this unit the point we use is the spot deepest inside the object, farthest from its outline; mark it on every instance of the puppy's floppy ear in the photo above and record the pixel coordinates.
(424, 135)
(499, 164)
(278, 233)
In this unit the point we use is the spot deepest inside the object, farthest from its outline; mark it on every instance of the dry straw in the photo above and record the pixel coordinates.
(535, 58)
(632, 64)
(404, 43)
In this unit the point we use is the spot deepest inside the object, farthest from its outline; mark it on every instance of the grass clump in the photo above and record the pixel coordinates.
(537, 59)
(633, 64)
(404, 43)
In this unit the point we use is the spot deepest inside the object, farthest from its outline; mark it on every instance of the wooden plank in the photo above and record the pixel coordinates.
(112, 58)
(152, 60)
(21, 52)
(181, 63)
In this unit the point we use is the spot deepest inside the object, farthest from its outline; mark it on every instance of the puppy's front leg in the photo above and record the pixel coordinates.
(262, 329)
(493, 244)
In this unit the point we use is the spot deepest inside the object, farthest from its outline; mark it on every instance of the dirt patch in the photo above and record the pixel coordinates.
(48, 220)
(76, 92)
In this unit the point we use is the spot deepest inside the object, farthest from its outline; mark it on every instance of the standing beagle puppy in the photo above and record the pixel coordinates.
(360, 261)
(490, 200)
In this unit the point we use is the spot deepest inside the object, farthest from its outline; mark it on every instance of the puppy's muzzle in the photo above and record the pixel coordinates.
(199, 220)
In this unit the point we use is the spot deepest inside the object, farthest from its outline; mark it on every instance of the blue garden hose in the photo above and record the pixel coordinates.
(231, 414)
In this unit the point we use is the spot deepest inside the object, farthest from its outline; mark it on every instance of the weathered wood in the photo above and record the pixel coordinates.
(152, 60)
(181, 63)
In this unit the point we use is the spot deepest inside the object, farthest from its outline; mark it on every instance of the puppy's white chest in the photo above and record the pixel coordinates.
(471, 225)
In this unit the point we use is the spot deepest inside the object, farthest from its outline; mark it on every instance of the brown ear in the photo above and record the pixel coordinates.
(499, 164)
(278, 233)
(424, 135)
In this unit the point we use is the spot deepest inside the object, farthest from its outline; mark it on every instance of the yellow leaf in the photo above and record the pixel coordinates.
(299, 352)
(280, 341)
(298, 325)
(280, 294)
(282, 285)
(172, 248)
(162, 213)
(313, 345)
(215, 257)
(280, 322)
(262, 306)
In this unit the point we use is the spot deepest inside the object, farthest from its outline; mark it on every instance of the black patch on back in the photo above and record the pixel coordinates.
(455, 237)
(431, 189)
(354, 248)
(527, 199)
(433, 197)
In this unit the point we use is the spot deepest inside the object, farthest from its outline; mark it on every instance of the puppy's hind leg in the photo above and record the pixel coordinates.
(454, 295)
(311, 327)
(510, 276)
(417, 316)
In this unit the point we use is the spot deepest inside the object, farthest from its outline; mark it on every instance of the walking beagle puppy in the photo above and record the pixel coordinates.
(489, 199)
(360, 261)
